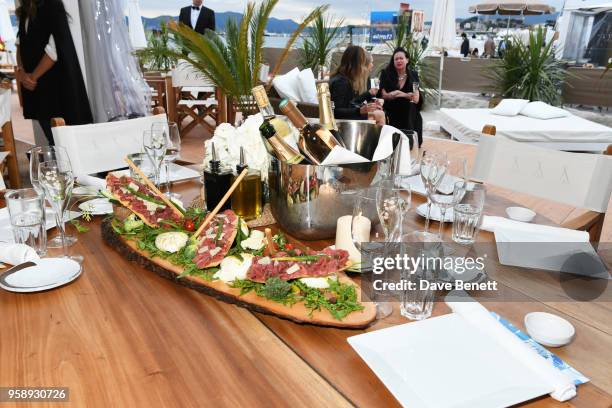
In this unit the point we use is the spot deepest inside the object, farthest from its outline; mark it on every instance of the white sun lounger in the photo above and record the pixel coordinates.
(571, 133)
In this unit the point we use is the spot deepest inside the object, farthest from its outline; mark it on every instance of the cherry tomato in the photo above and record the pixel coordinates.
(189, 225)
(288, 246)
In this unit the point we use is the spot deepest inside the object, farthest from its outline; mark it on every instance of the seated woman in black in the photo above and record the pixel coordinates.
(348, 88)
(402, 104)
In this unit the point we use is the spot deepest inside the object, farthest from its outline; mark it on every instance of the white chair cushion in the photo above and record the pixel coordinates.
(287, 85)
(103, 146)
(308, 87)
(542, 110)
(510, 107)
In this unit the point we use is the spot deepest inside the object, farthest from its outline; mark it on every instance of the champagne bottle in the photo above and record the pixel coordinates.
(326, 113)
(315, 141)
(263, 103)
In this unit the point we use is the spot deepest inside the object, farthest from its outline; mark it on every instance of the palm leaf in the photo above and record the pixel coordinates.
(313, 14)
(258, 30)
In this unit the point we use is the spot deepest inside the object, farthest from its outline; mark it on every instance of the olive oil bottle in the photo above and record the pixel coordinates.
(246, 199)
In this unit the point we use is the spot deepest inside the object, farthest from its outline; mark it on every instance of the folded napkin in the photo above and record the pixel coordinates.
(507, 230)
(87, 180)
(562, 387)
(340, 155)
(385, 149)
(15, 254)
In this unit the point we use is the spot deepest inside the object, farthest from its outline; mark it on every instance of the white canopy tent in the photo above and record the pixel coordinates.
(136, 29)
(442, 37)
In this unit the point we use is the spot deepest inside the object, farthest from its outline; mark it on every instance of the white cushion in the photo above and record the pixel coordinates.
(510, 107)
(287, 85)
(308, 87)
(542, 110)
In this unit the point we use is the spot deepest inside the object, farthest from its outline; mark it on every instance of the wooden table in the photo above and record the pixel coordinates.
(122, 336)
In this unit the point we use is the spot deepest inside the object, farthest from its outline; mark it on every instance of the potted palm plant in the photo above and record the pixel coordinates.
(153, 57)
(232, 61)
(529, 71)
(320, 41)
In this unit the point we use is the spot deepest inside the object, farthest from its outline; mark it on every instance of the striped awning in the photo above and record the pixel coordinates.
(512, 7)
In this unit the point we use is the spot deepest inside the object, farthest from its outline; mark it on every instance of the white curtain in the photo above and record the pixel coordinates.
(442, 34)
(137, 32)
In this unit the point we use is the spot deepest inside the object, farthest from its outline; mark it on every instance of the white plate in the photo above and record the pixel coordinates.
(42, 274)
(548, 329)
(446, 186)
(97, 206)
(85, 191)
(177, 173)
(435, 213)
(445, 362)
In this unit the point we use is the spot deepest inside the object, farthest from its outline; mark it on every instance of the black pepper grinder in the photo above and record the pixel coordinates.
(217, 180)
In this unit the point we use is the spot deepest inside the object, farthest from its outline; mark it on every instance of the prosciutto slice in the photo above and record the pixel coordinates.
(329, 261)
(131, 193)
(217, 239)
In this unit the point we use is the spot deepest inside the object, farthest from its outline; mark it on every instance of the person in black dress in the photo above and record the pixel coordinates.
(47, 66)
(465, 45)
(402, 104)
(347, 86)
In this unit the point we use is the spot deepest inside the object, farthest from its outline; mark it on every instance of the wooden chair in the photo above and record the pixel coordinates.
(101, 147)
(503, 153)
(189, 95)
(157, 83)
(10, 161)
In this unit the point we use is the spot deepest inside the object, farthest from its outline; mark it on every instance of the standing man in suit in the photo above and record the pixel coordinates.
(465, 45)
(198, 17)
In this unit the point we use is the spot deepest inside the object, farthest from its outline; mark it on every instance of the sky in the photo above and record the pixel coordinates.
(354, 11)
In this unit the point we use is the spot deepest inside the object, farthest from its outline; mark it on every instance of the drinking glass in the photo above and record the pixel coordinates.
(155, 144)
(416, 301)
(374, 83)
(41, 154)
(367, 229)
(173, 150)
(433, 168)
(57, 181)
(468, 215)
(142, 161)
(26, 209)
(445, 197)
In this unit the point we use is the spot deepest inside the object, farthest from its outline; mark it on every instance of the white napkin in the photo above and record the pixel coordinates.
(507, 230)
(561, 386)
(385, 148)
(340, 155)
(16, 254)
(87, 180)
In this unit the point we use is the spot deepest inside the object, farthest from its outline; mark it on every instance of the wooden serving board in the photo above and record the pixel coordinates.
(220, 290)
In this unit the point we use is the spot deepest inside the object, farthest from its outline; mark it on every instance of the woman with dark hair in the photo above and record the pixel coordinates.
(347, 86)
(402, 103)
(47, 66)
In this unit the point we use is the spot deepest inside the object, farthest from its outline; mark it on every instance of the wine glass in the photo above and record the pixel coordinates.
(41, 154)
(368, 235)
(155, 144)
(432, 167)
(56, 179)
(444, 196)
(173, 151)
(374, 83)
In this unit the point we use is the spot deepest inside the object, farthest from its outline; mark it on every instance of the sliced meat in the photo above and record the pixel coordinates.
(217, 240)
(329, 262)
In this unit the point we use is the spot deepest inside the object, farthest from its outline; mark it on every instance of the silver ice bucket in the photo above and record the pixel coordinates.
(307, 200)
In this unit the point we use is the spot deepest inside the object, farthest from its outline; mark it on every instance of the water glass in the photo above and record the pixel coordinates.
(375, 83)
(27, 214)
(417, 300)
(468, 215)
(142, 161)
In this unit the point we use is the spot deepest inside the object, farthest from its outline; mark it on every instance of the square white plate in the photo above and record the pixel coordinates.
(444, 362)
(177, 173)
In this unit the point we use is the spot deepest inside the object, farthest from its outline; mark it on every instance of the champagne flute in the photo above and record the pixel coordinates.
(415, 89)
(38, 155)
(56, 179)
(155, 144)
(394, 201)
(368, 235)
(171, 131)
(432, 167)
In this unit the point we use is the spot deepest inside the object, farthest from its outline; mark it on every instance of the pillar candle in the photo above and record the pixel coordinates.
(344, 238)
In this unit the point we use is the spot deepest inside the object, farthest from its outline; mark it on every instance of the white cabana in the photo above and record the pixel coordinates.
(443, 34)
(137, 32)
(6, 28)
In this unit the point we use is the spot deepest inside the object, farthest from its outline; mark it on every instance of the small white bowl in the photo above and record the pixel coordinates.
(520, 214)
(548, 329)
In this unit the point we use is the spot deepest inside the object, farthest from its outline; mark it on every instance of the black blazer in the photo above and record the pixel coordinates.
(205, 21)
